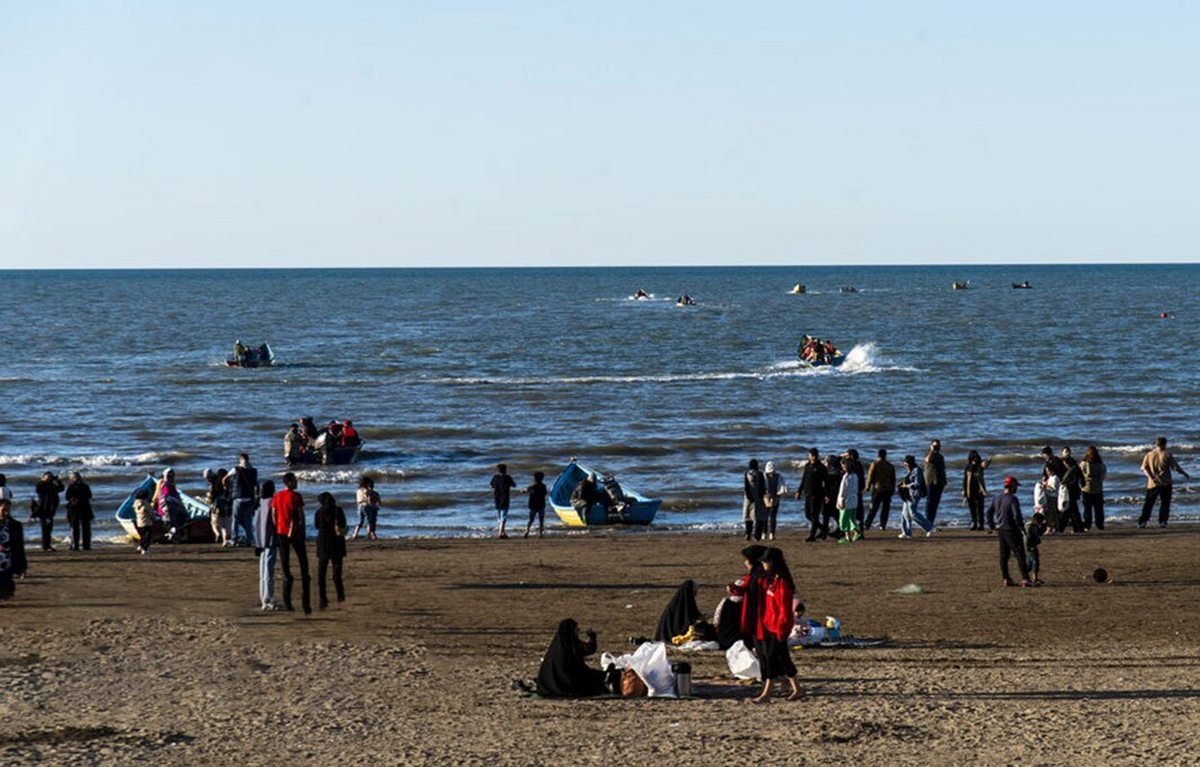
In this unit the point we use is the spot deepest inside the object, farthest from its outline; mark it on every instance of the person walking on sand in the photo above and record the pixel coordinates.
(1157, 467)
(881, 481)
(812, 492)
(266, 545)
(537, 503)
(13, 562)
(776, 619)
(241, 488)
(79, 512)
(754, 516)
(975, 488)
(330, 523)
(773, 490)
(502, 485)
(912, 491)
(1091, 488)
(368, 503)
(1004, 515)
(847, 492)
(46, 505)
(287, 511)
(935, 479)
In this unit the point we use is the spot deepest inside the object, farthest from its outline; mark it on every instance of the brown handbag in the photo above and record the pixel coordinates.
(632, 685)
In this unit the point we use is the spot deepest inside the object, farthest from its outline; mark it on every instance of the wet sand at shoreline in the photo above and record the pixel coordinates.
(109, 657)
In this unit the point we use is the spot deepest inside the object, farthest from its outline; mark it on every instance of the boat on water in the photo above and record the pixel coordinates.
(338, 456)
(961, 285)
(261, 356)
(813, 353)
(800, 289)
(638, 510)
(1022, 285)
(685, 300)
(847, 289)
(199, 529)
(641, 295)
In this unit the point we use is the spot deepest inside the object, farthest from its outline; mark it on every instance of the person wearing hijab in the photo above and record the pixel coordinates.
(777, 618)
(754, 515)
(330, 522)
(46, 505)
(13, 562)
(564, 672)
(747, 590)
(169, 505)
(774, 488)
(730, 616)
(680, 614)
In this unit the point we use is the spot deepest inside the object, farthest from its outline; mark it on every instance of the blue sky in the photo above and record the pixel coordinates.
(451, 133)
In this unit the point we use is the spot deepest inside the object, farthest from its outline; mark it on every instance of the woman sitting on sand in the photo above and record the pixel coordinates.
(680, 615)
(564, 672)
(777, 618)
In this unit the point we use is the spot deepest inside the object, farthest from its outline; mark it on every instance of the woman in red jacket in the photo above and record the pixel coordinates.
(778, 616)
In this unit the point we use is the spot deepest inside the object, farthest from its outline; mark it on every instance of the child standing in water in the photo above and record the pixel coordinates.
(537, 503)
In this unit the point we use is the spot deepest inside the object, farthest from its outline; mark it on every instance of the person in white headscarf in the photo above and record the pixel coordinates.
(774, 490)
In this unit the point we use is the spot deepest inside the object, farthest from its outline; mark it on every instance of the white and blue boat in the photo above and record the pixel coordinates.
(199, 529)
(639, 510)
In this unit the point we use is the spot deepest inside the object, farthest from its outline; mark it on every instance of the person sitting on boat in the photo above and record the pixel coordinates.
(293, 444)
(585, 494)
(685, 300)
(239, 351)
(263, 353)
(830, 351)
(309, 429)
(613, 497)
(349, 434)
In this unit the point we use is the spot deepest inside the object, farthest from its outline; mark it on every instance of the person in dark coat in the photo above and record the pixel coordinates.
(330, 522)
(812, 492)
(681, 612)
(564, 672)
(79, 512)
(13, 563)
(46, 505)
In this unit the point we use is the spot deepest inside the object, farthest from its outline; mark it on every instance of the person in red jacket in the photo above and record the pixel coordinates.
(778, 616)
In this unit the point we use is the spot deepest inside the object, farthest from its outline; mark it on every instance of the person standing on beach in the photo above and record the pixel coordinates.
(143, 519)
(169, 505)
(847, 492)
(1005, 516)
(13, 562)
(754, 516)
(975, 488)
(1157, 467)
(367, 501)
(1092, 471)
(241, 487)
(537, 503)
(912, 491)
(833, 485)
(772, 495)
(79, 512)
(6, 492)
(46, 505)
(1070, 492)
(287, 510)
(777, 618)
(881, 480)
(330, 523)
(812, 492)
(935, 479)
(502, 485)
(266, 545)
(218, 510)
(857, 468)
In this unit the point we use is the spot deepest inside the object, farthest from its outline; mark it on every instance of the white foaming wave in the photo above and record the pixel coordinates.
(94, 461)
(329, 476)
(1184, 447)
(865, 358)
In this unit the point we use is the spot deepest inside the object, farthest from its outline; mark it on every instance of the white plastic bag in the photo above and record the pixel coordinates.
(649, 662)
(742, 662)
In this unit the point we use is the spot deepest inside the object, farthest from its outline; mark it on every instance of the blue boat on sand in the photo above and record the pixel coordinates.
(639, 510)
(199, 528)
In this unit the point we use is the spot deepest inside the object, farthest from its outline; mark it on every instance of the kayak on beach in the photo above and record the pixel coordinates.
(605, 503)
(199, 529)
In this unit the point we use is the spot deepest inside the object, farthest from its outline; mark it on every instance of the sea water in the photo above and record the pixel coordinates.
(447, 372)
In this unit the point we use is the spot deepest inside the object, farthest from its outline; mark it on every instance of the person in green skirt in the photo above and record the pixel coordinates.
(847, 503)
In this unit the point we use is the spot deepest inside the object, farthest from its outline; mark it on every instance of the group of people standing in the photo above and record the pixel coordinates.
(49, 495)
(842, 498)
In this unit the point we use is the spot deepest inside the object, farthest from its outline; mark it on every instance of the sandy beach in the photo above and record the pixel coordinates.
(110, 658)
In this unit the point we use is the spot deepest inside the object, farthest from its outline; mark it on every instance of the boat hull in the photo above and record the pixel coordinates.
(640, 510)
(197, 530)
(339, 456)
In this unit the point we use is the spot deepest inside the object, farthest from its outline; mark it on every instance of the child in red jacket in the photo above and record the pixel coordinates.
(775, 625)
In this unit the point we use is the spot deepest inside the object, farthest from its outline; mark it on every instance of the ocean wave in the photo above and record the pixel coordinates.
(96, 461)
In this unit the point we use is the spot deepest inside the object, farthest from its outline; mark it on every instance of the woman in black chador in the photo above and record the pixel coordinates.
(564, 672)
